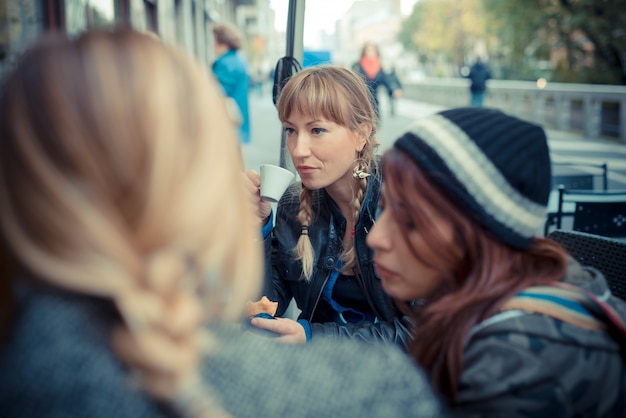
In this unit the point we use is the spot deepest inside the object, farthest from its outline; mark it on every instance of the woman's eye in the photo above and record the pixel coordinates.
(317, 131)
(289, 131)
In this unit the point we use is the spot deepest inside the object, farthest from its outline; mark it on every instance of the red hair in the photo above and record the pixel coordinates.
(478, 271)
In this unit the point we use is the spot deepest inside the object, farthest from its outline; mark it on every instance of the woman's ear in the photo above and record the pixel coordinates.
(365, 130)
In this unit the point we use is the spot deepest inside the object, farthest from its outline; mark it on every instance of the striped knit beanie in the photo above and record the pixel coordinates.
(493, 166)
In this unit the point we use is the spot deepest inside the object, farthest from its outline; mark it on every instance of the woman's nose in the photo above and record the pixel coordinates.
(380, 237)
(301, 147)
(373, 239)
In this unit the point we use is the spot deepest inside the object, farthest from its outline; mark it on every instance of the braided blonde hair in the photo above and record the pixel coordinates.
(110, 189)
(339, 95)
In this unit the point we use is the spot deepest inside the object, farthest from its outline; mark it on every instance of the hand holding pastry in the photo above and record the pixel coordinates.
(263, 305)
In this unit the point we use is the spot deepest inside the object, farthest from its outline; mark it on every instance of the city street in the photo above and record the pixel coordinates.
(564, 146)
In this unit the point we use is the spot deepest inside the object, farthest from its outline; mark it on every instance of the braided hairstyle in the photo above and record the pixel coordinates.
(339, 95)
(111, 148)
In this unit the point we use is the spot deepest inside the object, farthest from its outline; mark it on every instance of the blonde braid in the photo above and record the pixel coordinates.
(304, 248)
(129, 215)
(349, 255)
(162, 315)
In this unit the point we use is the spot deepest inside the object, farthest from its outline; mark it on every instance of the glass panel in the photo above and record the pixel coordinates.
(80, 14)
(138, 14)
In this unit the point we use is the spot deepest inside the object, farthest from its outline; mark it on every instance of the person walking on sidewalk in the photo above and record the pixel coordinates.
(231, 70)
(370, 68)
(478, 74)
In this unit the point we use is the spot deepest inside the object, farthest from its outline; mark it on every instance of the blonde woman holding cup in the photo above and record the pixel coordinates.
(316, 253)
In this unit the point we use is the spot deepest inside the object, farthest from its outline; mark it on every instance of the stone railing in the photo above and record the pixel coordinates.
(593, 110)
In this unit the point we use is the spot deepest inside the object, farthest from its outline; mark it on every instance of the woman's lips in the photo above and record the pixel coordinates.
(383, 272)
(305, 169)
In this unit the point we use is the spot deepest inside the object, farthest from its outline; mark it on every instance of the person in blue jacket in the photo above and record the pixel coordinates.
(231, 70)
(478, 74)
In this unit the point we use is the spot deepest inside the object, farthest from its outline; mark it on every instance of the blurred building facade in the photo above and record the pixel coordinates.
(186, 23)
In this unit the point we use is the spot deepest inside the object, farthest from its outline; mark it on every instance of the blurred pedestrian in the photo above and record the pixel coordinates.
(478, 74)
(393, 80)
(370, 67)
(231, 70)
(132, 250)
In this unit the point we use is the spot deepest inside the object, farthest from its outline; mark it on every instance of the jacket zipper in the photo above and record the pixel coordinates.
(319, 295)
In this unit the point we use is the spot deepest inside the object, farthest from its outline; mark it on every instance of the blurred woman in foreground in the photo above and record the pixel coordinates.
(132, 246)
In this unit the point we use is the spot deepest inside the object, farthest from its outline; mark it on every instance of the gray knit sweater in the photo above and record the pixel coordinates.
(57, 362)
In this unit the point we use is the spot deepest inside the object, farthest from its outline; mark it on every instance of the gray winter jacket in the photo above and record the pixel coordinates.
(521, 364)
(57, 362)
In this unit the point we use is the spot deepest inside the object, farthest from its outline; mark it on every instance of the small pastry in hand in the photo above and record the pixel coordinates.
(263, 308)
(264, 305)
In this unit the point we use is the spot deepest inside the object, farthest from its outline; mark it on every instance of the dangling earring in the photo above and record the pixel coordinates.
(359, 169)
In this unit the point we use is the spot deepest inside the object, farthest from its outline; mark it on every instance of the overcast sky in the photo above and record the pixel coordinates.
(322, 14)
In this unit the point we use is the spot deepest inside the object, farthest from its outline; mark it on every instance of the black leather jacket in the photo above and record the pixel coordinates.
(283, 272)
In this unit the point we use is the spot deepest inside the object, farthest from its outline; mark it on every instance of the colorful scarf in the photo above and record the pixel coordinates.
(570, 304)
(371, 66)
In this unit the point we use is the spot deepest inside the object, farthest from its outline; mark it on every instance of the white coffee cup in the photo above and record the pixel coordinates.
(274, 182)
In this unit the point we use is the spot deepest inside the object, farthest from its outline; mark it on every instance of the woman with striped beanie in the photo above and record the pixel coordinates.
(506, 323)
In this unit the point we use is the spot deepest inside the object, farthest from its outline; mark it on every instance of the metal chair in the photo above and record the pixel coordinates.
(592, 211)
(577, 176)
(606, 254)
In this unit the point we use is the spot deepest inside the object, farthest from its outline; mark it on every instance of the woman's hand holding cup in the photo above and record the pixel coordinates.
(268, 186)
(253, 183)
